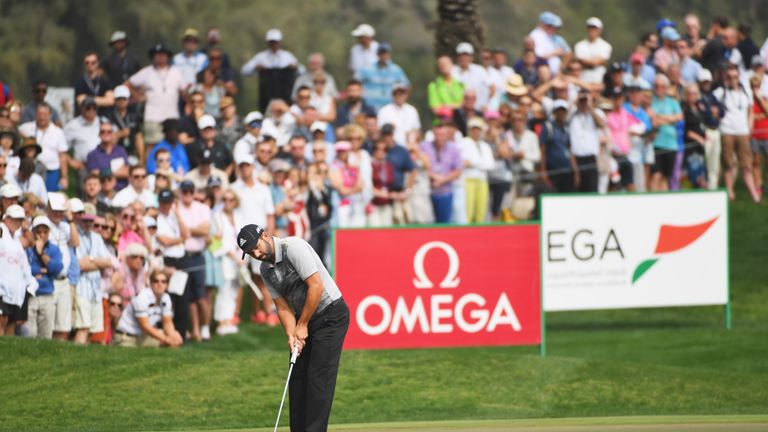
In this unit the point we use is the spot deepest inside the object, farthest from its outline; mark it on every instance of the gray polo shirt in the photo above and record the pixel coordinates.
(295, 261)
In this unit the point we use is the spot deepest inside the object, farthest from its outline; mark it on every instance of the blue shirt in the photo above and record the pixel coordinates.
(178, 157)
(557, 146)
(666, 137)
(378, 82)
(689, 70)
(45, 281)
(98, 160)
(640, 115)
(73, 272)
(402, 163)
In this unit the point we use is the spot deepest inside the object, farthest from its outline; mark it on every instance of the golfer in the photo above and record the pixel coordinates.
(314, 317)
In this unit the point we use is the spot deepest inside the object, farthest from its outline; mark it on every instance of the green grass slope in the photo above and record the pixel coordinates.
(600, 364)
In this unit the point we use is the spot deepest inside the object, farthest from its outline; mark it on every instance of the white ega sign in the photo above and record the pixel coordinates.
(632, 251)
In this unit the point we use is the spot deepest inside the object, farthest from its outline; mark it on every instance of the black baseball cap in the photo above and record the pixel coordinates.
(248, 237)
(165, 196)
(187, 185)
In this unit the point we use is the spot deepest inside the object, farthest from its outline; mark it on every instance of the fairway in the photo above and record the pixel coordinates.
(599, 424)
(675, 369)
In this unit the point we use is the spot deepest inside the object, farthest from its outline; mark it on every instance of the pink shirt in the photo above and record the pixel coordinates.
(192, 216)
(132, 283)
(127, 238)
(619, 123)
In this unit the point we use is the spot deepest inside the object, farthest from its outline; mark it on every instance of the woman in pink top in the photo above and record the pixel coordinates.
(131, 230)
(620, 122)
(346, 180)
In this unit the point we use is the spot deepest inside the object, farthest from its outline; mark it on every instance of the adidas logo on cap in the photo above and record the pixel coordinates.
(242, 242)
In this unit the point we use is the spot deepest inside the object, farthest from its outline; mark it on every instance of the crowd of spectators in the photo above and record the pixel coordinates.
(118, 226)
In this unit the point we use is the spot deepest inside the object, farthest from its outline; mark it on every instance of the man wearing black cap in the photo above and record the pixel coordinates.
(161, 84)
(205, 171)
(313, 315)
(197, 217)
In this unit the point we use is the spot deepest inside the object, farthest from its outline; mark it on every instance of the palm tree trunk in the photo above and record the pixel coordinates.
(458, 22)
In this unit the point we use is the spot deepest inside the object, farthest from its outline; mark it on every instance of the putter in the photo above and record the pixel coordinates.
(294, 356)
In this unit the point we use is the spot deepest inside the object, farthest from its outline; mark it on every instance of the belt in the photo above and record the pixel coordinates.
(61, 278)
(193, 254)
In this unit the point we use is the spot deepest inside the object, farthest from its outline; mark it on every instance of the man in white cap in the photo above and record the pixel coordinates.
(218, 153)
(593, 52)
(9, 195)
(45, 262)
(125, 118)
(64, 234)
(276, 68)
(119, 65)
(246, 145)
(315, 65)
(473, 75)
(363, 53)
(17, 275)
(92, 256)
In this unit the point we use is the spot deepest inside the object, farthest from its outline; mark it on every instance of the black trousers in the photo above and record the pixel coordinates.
(314, 375)
(588, 173)
(180, 303)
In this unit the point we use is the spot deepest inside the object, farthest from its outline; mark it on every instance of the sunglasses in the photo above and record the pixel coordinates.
(99, 226)
(187, 192)
(160, 281)
(129, 217)
(139, 176)
(229, 199)
(41, 90)
(105, 131)
(116, 304)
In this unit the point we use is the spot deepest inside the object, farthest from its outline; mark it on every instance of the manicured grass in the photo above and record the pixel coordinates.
(600, 364)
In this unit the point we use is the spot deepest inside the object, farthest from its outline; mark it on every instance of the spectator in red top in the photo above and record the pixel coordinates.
(383, 187)
(759, 131)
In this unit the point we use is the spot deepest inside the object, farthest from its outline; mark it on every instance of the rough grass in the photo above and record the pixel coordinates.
(600, 364)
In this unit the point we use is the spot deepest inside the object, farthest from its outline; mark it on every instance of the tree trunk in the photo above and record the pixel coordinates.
(458, 22)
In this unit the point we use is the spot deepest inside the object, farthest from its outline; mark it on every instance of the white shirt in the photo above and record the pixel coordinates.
(361, 58)
(585, 50)
(529, 145)
(34, 185)
(128, 195)
(255, 204)
(269, 60)
(480, 158)
(82, 136)
(738, 104)
(498, 80)
(544, 45)
(144, 305)
(583, 131)
(17, 277)
(168, 226)
(61, 236)
(161, 88)
(52, 140)
(246, 145)
(403, 117)
(476, 78)
(190, 65)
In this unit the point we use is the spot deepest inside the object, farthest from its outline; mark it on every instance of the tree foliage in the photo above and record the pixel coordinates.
(45, 39)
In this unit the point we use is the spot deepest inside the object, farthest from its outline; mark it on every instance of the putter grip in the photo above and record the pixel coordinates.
(294, 354)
